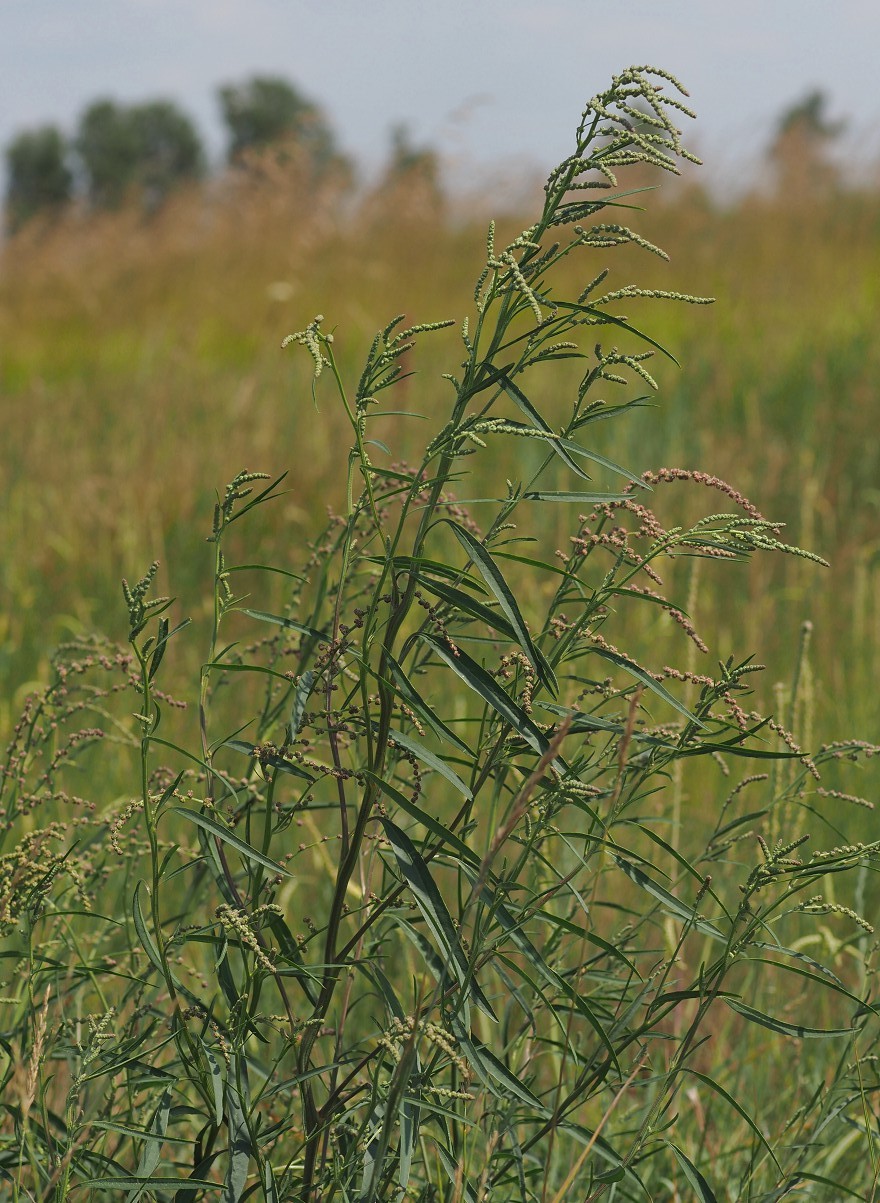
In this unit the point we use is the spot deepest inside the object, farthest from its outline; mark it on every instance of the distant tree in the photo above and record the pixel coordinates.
(169, 148)
(107, 144)
(38, 177)
(266, 111)
(407, 158)
(810, 115)
(411, 182)
(151, 147)
(799, 152)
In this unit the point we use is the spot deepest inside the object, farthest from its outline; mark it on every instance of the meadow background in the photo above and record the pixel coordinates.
(140, 368)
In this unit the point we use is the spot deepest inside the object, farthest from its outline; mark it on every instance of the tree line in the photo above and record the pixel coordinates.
(150, 149)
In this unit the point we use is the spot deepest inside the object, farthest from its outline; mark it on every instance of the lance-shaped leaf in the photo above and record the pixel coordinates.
(582, 720)
(118, 1182)
(577, 498)
(476, 677)
(228, 837)
(702, 1190)
(540, 965)
(417, 703)
(269, 758)
(602, 461)
(433, 825)
(603, 317)
(433, 909)
(153, 1140)
(300, 697)
(470, 605)
(491, 574)
(785, 1028)
(217, 1080)
(524, 404)
(494, 1074)
(648, 681)
(452, 1166)
(140, 926)
(672, 904)
(240, 1149)
(403, 740)
(741, 1111)
(289, 623)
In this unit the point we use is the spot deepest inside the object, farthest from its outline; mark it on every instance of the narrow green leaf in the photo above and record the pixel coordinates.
(680, 909)
(136, 1133)
(608, 412)
(705, 748)
(270, 1186)
(603, 1148)
(277, 762)
(753, 816)
(483, 613)
(165, 743)
(648, 681)
(159, 650)
(530, 562)
(373, 1152)
(433, 825)
(492, 575)
(704, 1191)
(416, 702)
(140, 927)
(437, 966)
(463, 1189)
(558, 923)
(294, 576)
(491, 692)
(837, 1187)
(578, 498)
(433, 909)
(260, 669)
(300, 697)
(783, 1027)
(223, 833)
(409, 1115)
(609, 1177)
(403, 740)
(594, 457)
(737, 1106)
(524, 404)
(494, 1075)
(582, 721)
(121, 1181)
(217, 1083)
(603, 317)
(152, 1150)
(240, 1150)
(289, 623)
(267, 493)
(422, 567)
(544, 971)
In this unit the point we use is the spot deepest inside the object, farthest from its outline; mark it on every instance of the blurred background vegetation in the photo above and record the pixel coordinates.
(143, 301)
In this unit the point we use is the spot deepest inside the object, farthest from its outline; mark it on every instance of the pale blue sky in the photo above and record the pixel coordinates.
(485, 79)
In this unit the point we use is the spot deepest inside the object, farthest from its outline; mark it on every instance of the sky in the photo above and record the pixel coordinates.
(484, 81)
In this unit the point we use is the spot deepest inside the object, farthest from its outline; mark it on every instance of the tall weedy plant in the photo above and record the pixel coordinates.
(423, 917)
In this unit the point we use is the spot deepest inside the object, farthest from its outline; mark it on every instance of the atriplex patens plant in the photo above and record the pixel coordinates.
(490, 968)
